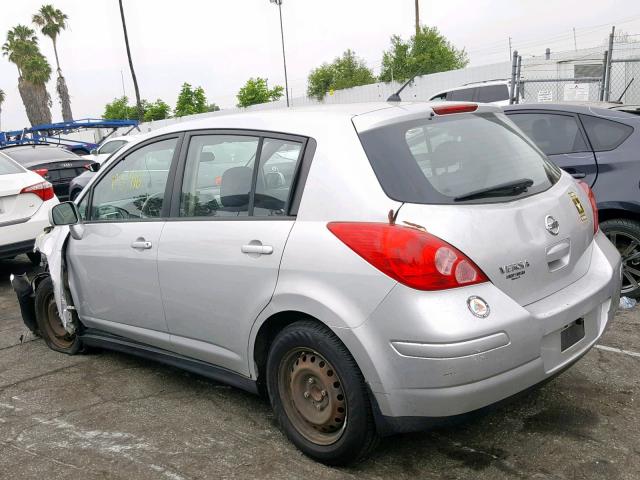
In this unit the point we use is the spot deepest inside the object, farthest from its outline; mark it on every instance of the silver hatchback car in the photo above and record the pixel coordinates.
(372, 268)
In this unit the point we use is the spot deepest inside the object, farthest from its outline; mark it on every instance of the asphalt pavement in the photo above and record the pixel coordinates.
(109, 415)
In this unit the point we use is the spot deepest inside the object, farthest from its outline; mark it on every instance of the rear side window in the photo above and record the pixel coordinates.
(554, 134)
(447, 158)
(605, 134)
(492, 93)
(7, 167)
(462, 95)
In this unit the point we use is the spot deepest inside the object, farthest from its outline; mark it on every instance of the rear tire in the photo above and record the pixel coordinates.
(49, 322)
(318, 395)
(625, 235)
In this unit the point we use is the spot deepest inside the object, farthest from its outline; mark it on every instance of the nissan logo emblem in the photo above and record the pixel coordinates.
(551, 224)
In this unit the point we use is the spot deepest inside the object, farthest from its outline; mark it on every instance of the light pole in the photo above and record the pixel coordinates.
(284, 58)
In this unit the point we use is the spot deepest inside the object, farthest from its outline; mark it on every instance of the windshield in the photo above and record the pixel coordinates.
(450, 158)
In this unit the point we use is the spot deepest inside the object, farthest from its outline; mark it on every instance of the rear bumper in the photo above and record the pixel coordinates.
(433, 359)
(20, 237)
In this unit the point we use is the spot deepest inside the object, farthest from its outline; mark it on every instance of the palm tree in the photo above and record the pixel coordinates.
(21, 49)
(133, 73)
(52, 21)
(2, 97)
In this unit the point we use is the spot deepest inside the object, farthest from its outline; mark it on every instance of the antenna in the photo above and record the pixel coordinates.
(396, 96)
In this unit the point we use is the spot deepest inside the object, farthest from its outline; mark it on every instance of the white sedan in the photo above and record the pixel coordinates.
(25, 201)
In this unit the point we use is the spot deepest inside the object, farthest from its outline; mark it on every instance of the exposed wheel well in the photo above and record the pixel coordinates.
(267, 333)
(611, 213)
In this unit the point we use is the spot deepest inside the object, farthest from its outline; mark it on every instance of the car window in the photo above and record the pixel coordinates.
(8, 167)
(553, 133)
(40, 153)
(110, 147)
(443, 160)
(278, 162)
(83, 208)
(462, 95)
(605, 134)
(134, 188)
(442, 96)
(492, 93)
(218, 176)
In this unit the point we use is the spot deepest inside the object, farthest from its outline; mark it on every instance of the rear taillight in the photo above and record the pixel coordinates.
(41, 171)
(413, 257)
(592, 200)
(446, 109)
(44, 190)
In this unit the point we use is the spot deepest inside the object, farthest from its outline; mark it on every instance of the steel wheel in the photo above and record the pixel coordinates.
(312, 396)
(53, 325)
(629, 248)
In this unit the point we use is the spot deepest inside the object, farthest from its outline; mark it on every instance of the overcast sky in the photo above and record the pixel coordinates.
(219, 44)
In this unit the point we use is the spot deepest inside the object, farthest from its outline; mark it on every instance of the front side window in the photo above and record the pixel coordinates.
(111, 146)
(478, 157)
(218, 176)
(554, 134)
(134, 188)
(278, 163)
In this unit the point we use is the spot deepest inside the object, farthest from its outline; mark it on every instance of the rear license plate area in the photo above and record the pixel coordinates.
(571, 334)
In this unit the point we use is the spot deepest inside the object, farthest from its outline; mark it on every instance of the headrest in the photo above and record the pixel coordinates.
(235, 186)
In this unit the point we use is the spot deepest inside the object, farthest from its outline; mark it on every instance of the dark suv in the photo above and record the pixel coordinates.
(598, 143)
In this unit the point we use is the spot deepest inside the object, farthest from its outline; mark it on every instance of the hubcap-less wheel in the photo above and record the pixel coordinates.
(53, 324)
(312, 396)
(629, 248)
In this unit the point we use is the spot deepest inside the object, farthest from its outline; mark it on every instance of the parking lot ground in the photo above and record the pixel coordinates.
(109, 415)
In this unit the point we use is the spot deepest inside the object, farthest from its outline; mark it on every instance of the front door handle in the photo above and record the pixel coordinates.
(258, 249)
(141, 244)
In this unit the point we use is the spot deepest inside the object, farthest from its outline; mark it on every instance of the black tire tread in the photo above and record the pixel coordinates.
(633, 227)
(311, 331)
(45, 288)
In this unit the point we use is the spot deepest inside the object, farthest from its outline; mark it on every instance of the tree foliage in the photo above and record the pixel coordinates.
(51, 22)
(157, 110)
(344, 72)
(22, 49)
(2, 97)
(190, 101)
(426, 52)
(120, 109)
(257, 91)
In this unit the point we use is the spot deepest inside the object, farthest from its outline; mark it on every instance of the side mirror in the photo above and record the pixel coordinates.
(94, 151)
(94, 167)
(65, 213)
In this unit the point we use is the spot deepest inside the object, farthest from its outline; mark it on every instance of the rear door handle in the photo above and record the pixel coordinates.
(141, 244)
(257, 249)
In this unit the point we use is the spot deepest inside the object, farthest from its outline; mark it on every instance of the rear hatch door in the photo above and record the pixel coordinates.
(514, 242)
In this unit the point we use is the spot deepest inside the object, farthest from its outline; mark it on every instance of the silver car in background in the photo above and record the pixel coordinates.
(372, 267)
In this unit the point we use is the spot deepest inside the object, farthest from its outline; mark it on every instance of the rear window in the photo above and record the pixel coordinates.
(462, 95)
(605, 134)
(112, 146)
(37, 154)
(8, 167)
(492, 93)
(447, 158)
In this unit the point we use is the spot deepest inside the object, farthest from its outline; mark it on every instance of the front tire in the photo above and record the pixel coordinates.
(625, 236)
(49, 322)
(318, 395)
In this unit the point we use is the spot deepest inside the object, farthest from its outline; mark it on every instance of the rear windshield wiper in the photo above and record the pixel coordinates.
(502, 190)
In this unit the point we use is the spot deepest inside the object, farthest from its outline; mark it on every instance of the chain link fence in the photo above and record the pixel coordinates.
(610, 73)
